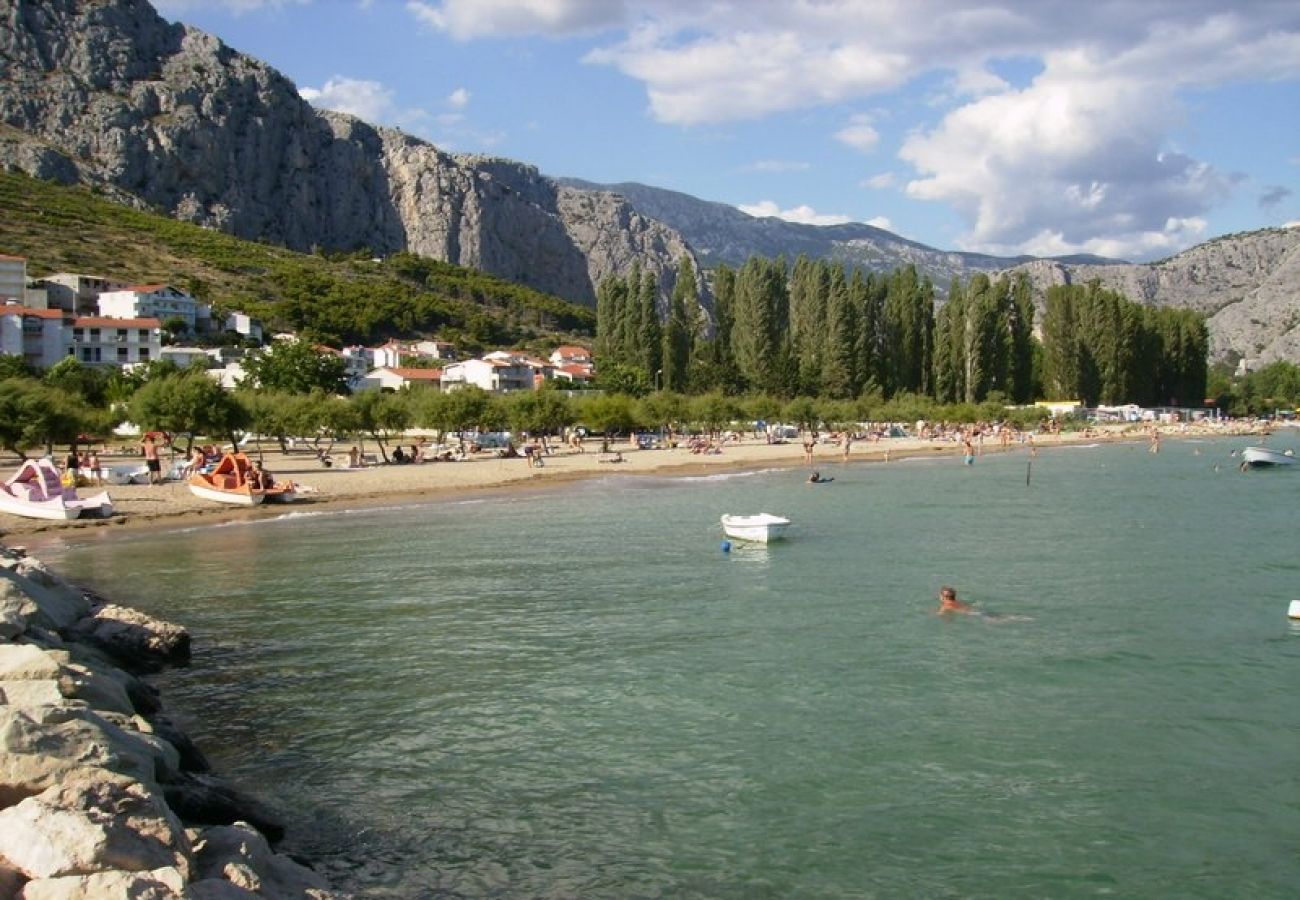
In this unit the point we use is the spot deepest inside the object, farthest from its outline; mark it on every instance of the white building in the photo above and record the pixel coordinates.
(37, 335)
(243, 324)
(155, 301)
(397, 378)
(496, 375)
(13, 278)
(77, 293)
(103, 340)
(434, 349)
(569, 355)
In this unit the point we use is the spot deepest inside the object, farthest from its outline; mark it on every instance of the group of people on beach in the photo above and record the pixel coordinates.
(84, 465)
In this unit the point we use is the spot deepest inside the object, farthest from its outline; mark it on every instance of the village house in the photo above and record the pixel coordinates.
(34, 334)
(76, 293)
(496, 373)
(13, 279)
(156, 301)
(568, 355)
(394, 378)
(44, 337)
(102, 340)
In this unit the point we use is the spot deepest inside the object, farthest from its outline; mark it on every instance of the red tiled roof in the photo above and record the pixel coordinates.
(107, 322)
(418, 374)
(13, 310)
(570, 350)
(13, 258)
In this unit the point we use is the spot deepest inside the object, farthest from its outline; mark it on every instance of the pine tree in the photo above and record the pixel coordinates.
(838, 370)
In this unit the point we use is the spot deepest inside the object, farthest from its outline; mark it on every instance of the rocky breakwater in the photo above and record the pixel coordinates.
(100, 794)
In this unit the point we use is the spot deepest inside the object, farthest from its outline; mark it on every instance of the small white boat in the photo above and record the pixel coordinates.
(36, 491)
(1266, 456)
(761, 528)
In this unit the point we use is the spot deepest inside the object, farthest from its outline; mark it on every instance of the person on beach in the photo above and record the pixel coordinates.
(848, 445)
(72, 465)
(808, 445)
(197, 461)
(354, 458)
(92, 466)
(948, 602)
(151, 460)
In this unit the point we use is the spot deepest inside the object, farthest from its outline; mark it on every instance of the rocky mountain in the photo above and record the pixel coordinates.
(724, 234)
(106, 92)
(1247, 285)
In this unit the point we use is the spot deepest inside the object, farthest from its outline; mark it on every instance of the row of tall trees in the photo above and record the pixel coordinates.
(819, 330)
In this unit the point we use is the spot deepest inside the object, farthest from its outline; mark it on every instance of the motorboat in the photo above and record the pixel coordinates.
(760, 529)
(228, 482)
(37, 491)
(1266, 456)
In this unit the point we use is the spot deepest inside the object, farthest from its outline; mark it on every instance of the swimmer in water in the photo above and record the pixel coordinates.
(948, 602)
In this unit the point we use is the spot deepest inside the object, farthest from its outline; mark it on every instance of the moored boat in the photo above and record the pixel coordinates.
(1266, 456)
(228, 482)
(37, 491)
(761, 528)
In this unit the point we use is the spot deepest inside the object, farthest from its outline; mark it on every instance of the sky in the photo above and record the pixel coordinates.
(1130, 129)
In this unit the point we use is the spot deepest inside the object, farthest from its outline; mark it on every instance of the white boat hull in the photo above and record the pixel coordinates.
(234, 498)
(759, 529)
(55, 510)
(1264, 456)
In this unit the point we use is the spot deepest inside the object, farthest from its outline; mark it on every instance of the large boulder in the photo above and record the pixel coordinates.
(41, 746)
(237, 854)
(93, 821)
(58, 604)
(157, 884)
(136, 640)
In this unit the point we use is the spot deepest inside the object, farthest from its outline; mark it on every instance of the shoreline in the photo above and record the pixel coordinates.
(171, 505)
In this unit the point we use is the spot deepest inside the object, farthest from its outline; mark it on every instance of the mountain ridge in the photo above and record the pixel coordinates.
(167, 117)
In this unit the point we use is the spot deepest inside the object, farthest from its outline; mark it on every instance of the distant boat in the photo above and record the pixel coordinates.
(36, 491)
(1265, 456)
(228, 482)
(760, 529)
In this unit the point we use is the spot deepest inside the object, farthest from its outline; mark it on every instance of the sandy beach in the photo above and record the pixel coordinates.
(173, 505)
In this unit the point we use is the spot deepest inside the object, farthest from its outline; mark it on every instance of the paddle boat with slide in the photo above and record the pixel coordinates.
(37, 491)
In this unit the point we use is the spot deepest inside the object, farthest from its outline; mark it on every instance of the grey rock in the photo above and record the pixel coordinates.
(165, 116)
(158, 884)
(133, 638)
(93, 822)
(240, 855)
(1247, 285)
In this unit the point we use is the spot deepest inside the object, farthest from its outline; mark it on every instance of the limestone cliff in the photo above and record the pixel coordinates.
(108, 93)
(1247, 285)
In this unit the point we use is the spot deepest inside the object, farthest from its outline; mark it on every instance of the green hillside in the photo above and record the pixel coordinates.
(336, 299)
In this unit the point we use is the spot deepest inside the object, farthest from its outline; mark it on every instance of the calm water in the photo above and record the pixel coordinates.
(577, 694)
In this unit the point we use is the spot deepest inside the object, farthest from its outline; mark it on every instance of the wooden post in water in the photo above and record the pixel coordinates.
(1029, 467)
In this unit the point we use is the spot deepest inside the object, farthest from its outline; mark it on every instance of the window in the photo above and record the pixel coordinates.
(121, 354)
(144, 354)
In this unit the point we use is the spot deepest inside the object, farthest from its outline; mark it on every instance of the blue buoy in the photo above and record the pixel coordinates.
(726, 546)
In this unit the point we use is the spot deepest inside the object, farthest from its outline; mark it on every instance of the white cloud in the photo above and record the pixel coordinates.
(879, 182)
(881, 222)
(459, 98)
(1055, 119)
(804, 215)
(859, 134)
(466, 19)
(367, 100)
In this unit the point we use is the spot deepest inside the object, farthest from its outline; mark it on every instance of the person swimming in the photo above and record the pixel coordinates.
(948, 602)
(816, 478)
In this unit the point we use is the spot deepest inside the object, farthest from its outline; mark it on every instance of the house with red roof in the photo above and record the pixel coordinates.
(156, 301)
(395, 378)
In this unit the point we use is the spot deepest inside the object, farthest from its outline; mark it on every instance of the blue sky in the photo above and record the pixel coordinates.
(1126, 128)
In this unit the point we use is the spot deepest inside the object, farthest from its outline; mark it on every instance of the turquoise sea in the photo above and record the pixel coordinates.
(577, 693)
